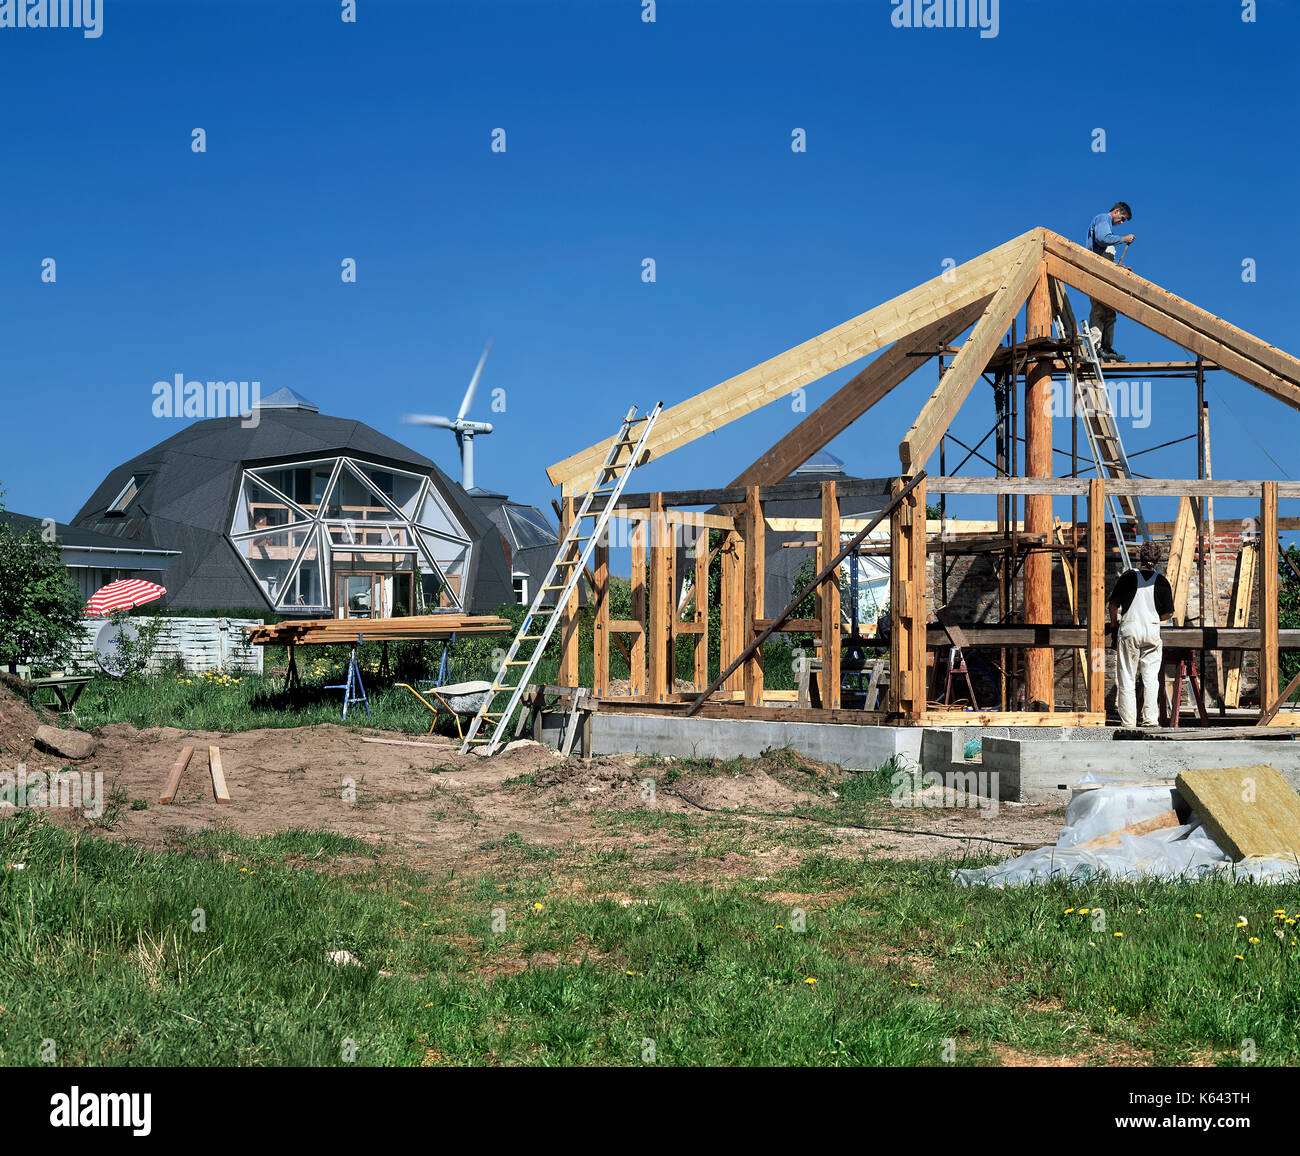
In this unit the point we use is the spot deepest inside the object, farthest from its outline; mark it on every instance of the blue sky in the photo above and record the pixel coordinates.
(625, 140)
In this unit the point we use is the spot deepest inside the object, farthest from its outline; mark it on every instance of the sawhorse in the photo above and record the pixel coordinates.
(353, 689)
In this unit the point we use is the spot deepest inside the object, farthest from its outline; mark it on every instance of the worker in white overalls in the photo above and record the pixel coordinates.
(1141, 600)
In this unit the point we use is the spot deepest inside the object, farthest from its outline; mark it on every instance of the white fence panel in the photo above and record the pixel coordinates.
(202, 644)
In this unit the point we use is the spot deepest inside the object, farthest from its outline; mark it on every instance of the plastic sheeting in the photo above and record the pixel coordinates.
(1184, 852)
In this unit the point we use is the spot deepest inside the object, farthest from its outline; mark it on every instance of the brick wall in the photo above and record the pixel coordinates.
(972, 596)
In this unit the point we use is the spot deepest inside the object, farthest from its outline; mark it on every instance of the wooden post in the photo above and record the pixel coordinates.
(1040, 679)
(636, 541)
(1269, 671)
(1097, 595)
(569, 612)
(907, 603)
(659, 636)
(702, 608)
(755, 535)
(600, 632)
(732, 605)
(828, 545)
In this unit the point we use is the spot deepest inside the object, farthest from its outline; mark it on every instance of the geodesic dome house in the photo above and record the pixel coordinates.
(306, 514)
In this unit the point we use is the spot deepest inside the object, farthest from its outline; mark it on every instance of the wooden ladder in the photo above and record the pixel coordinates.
(570, 562)
(1092, 403)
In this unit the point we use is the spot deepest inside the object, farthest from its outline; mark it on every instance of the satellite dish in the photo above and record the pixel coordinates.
(108, 647)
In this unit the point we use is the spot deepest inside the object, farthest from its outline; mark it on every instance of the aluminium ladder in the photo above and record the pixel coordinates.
(1092, 403)
(572, 558)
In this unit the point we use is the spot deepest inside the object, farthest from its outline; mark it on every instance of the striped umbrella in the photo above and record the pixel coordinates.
(122, 595)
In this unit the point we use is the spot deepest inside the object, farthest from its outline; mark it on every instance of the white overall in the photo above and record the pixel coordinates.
(1138, 653)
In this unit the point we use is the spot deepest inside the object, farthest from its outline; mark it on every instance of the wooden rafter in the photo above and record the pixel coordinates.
(854, 339)
(1019, 277)
(830, 419)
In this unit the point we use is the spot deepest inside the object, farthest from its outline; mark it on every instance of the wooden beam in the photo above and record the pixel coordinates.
(1243, 589)
(1018, 278)
(829, 546)
(174, 775)
(1269, 670)
(1097, 595)
(219, 790)
(600, 628)
(813, 359)
(822, 575)
(731, 642)
(907, 633)
(1040, 665)
(1193, 317)
(830, 419)
(662, 609)
(637, 667)
(781, 492)
(755, 542)
(1087, 280)
(1182, 557)
(702, 610)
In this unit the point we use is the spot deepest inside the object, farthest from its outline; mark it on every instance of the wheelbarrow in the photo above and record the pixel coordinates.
(457, 699)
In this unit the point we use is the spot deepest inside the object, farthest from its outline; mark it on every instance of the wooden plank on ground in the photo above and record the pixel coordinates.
(1249, 810)
(174, 775)
(219, 790)
(1161, 822)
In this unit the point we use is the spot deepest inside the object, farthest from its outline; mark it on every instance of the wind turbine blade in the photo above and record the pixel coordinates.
(473, 383)
(426, 419)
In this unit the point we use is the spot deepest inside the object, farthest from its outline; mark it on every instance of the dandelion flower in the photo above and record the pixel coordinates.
(1069, 911)
(1253, 939)
(1083, 910)
(537, 907)
(1198, 915)
(810, 980)
(1119, 935)
(1238, 957)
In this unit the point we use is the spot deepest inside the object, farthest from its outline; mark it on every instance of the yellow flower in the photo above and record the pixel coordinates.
(780, 927)
(243, 868)
(913, 985)
(428, 1005)
(1253, 939)
(1238, 957)
(1280, 911)
(1112, 1008)
(1119, 935)
(810, 980)
(537, 907)
(1069, 911)
(1083, 911)
(629, 973)
(1198, 915)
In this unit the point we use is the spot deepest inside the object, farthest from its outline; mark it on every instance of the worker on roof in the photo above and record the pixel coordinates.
(1141, 600)
(1103, 239)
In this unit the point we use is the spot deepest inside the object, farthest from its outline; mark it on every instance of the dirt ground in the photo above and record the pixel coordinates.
(442, 810)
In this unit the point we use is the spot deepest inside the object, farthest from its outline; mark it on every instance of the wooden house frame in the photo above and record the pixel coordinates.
(985, 296)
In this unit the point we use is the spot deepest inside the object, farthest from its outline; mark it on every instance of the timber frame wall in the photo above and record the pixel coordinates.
(984, 296)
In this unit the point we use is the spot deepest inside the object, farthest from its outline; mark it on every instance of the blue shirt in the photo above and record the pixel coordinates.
(1101, 233)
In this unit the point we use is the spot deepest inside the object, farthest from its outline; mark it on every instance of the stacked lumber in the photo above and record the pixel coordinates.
(345, 630)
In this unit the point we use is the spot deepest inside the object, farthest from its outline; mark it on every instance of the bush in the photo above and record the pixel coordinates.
(40, 608)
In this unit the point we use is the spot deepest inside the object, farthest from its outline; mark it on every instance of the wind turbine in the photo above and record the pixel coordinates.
(463, 429)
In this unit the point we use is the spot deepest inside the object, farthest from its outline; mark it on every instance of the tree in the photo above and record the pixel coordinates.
(40, 607)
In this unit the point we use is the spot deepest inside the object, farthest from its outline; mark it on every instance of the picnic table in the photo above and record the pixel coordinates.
(67, 688)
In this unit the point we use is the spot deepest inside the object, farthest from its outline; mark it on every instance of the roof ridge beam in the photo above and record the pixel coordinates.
(1191, 316)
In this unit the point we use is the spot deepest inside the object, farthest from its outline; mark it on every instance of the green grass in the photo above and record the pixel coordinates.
(99, 952)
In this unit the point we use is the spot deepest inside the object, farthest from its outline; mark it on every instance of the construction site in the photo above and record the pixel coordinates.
(1018, 597)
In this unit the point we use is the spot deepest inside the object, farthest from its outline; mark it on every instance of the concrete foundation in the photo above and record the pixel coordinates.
(1031, 764)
